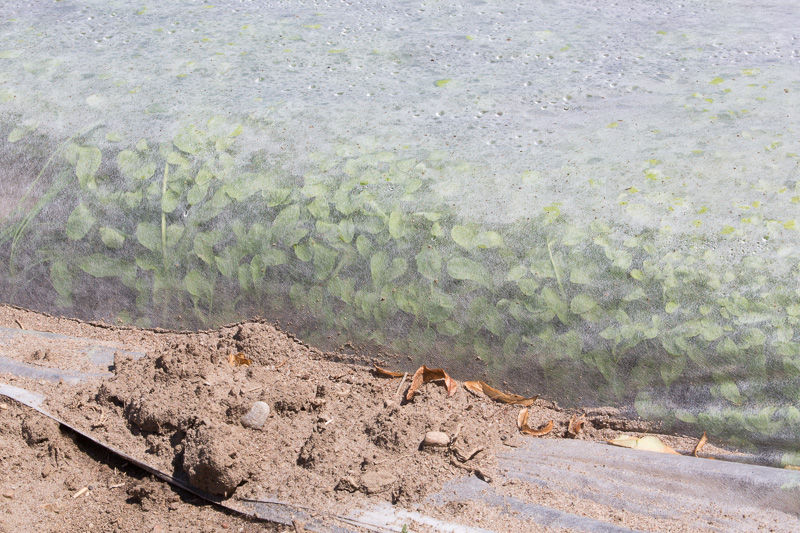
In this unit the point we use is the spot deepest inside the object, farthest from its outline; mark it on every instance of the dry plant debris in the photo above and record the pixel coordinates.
(522, 423)
(649, 443)
(575, 425)
(425, 374)
(700, 444)
(239, 359)
(479, 387)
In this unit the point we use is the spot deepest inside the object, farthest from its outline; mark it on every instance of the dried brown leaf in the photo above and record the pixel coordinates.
(576, 424)
(239, 359)
(479, 387)
(648, 443)
(522, 424)
(425, 374)
(522, 418)
(547, 428)
(387, 373)
(700, 444)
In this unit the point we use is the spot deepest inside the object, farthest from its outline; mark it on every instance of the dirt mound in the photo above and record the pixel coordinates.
(336, 436)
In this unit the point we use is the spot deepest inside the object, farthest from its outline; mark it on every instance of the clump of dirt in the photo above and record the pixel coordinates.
(215, 458)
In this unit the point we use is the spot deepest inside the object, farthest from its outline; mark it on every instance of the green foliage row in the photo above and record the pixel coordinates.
(364, 244)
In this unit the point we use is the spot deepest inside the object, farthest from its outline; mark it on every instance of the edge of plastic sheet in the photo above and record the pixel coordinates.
(273, 511)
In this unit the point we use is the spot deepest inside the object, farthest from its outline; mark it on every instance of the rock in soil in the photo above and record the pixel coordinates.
(257, 416)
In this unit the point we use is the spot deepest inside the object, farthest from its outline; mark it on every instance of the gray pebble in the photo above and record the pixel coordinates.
(257, 416)
(436, 438)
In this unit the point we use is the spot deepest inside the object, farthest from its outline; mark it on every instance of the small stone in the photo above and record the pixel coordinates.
(347, 484)
(47, 470)
(436, 439)
(257, 416)
(4, 406)
(391, 404)
(377, 481)
(8, 494)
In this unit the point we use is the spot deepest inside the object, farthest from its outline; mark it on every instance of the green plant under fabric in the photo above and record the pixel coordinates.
(363, 244)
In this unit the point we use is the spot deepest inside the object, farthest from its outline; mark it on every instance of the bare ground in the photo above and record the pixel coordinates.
(339, 435)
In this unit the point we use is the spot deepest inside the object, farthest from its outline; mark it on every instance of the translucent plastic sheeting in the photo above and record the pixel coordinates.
(593, 201)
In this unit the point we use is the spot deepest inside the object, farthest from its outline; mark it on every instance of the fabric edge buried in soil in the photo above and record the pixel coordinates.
(271, 511)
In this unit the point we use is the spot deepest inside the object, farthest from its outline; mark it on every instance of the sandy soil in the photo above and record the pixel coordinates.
(339, 435)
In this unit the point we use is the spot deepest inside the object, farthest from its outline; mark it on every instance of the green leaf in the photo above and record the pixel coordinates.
(398, 268)
(437, 308)
(189, 141)
(174, 233)
(286, 223)
(710, 330)
(101, 266)
(273, 257)
(448, 328)
(397, 225)
(131, 200)
(462, 268)
(303, 252)
(489, 239)
(319, 208)
(198, 285)
(464, 236)
(133, 166)
(580, 276)
(149, 236)
(342, 288)
(112, 238)
(79, 223)
(245, 277)
(635, 294)
(517, 272)
(555, 304)
(672, 368)
(485, 315)
(671, 307)
(582, 304)
(572, 236)
(61, 278)
(528, 286)
(378, 265)
(174, 158)
(204, 245)
(196, 193)
(324, 260)
(429, 263)
(88, 162)
(730, 392)
(169, 201)
(364, 246)
(346, 230)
